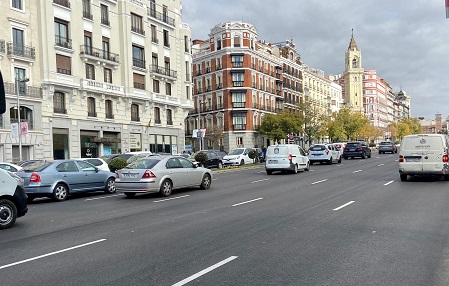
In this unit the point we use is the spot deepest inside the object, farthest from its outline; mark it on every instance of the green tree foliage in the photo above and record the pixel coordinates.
(312, 118)
(346, 125)
(278, 126)
(117, 163)
(406, 126)
(200, 157)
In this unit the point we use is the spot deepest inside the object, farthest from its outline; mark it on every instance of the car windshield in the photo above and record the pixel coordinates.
(355, 144)
(36, 166)
(317, 148)
(143, 163)
(236, 152)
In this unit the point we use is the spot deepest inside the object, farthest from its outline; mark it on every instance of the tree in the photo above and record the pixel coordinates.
(279, 126)
(117, 163)
(312, 119)
(214, 134)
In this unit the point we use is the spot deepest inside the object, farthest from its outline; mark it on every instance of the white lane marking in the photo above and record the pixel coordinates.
(51, 253)
(395, 160)
(208, 269)
(171, 199)
(386, 184)
(214, 179)
(377, 157)
(339, 165)
(260, 181)
(105, 197)
(247, 202)
(380, 165)
(345, 205)
(261, 172)
(319, 182)
(357, 171)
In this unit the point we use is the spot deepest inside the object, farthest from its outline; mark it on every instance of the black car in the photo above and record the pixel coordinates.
(387, 146)
(356, 149)
(214, 159)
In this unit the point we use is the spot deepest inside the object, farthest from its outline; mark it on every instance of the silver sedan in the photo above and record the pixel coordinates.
(161, 174)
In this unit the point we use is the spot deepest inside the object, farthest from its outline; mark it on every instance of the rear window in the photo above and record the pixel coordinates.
(277, 151)
(145, 163)
(317, 148)
(386, 143)
(355, 144)
(36, 166)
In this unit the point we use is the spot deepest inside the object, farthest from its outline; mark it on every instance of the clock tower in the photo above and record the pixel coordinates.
(353, 77)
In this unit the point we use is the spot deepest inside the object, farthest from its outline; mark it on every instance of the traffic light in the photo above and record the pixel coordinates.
(2, 95)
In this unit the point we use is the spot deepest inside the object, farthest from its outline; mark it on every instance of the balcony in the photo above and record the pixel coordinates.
(154, 40)
(138, 30)
(30, 122)
(139, 85)
(101, 87)
(63, 71)
(63, 42)
(239, 126)
(24, 90)
(161, 17)
(138, 63)
(90, 53)
(164, 71)
(21, 51)
(60, 110)
(92, 114)
(237, 64)
(237, 83)
(105, 21)
(238, 104)
(88, 15)
(64, 3)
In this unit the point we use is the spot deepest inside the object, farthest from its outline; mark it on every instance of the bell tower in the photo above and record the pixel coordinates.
(354, 77)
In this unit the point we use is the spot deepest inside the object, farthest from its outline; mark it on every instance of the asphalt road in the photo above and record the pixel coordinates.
(353, 223)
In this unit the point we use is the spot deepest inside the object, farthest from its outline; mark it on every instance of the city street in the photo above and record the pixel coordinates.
(353, 223)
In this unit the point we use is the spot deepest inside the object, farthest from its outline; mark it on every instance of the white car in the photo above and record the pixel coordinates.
(10, 167)
(286, 157)
(97, 162)
(324, 153)
(238, 157)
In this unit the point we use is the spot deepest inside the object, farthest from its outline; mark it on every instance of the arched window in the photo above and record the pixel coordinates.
(135, 112)
(218, 44)
(109, 109)
(26, 115)
(354, 63)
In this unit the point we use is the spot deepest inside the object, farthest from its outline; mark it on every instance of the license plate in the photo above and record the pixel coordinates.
(273, 161)
(412, 159)
(129, 176)
(351, 149)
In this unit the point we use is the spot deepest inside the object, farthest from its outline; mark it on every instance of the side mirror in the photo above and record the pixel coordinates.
(96, 170)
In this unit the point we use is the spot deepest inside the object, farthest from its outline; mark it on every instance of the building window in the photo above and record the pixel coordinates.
(218, 44)
(156, 86)
(20, 73)
(109, 109)
(239, 121)
(135, 112)
(237, 41)
(63, 65)
(188, 92)
(104, 15)
(237, 61)
(139, 81)
(107, 75)
(186, 44)
(237, 79)
(59, 103)
(238, 99)
(88, 42)
(169, 117)
(157, 115)
(138, 57)
(166, 39)
(18, 41)
(87, 13)
(154, 34)
(106, 51)
(62, 34)
(90, 71)
(153, 8)
(91, 110)
(26, 115)
(218, 64)
(168, 88)
(17, 4)
(136, 24)
(167, 64)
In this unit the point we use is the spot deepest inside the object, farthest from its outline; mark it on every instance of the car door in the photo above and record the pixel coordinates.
(212, 160)
(248, 160)
(192, 175)
(92, 178)
(304, 157)
(176, 173)
(333, 151)
(70, 173)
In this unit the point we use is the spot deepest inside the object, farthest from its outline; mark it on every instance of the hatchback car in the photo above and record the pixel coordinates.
(161, 174)
(356, 149)
(10, 167)
(238, 157)
(324, 153)
(387, 146)
(60, 178)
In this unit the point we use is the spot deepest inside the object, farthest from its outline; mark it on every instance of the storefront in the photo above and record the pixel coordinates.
(163, 143)
(109, 143)
(61, 143)
(88, 148)
(135, 142)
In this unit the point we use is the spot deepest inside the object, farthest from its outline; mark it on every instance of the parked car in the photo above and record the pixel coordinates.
(424, 154)
(238, 157)
(97, 162)
(387, 146)
(58, 179)
(161, 174)
(340, 145)
(213, 159)
(13, 199)
(25, 163)
(356, 149)
(261, 157)
(324, 153)
(286, 157)
(10, 167)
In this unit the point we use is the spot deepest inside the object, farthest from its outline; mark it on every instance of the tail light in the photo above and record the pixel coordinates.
(35, 178)
(346, 149)
(148, 174)
(360, 149)
(290, 157)
(401, 158)
(116, 175)
(445, 158)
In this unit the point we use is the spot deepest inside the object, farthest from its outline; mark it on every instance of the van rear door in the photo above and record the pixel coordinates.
(423, 153)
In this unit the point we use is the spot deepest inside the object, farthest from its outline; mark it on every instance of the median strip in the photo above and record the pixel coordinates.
(201, 273)
(247, 202)
(345, 205)
(171, 199)
(51, 253)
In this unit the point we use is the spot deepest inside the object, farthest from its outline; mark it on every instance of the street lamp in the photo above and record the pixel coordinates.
(22, 80)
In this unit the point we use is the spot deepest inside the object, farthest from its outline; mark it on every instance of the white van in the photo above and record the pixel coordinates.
(286, 157)
(424, 154)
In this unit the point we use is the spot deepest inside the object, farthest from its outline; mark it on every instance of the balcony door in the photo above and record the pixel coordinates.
(18, 40)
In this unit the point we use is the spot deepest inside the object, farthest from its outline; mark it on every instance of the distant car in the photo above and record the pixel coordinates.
(340, 145)
(161, 174)
(10, 167)
(213, 159)
(324, 153)
(387, 146)
(58, 179)
(238, 157)
(286, 157)
(97, 162)
(356, 149)
(13, 199)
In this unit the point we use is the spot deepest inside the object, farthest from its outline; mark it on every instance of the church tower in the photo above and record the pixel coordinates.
(353, 77)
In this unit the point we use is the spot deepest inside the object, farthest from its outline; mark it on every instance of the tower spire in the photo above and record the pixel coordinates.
(352, 43)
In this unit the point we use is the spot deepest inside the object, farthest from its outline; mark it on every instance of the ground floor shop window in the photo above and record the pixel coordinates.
(60, 145)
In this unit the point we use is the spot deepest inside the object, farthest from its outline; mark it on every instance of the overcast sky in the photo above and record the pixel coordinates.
(406, 41)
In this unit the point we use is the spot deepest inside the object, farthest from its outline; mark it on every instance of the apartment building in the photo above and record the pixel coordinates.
(317, 89)
(114, 76)
(20, 66)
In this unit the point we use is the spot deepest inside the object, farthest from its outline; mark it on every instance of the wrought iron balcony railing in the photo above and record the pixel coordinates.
(161, 16)
(63, 42)
(139, 85)
(88, 15)
(24, 90)
(164, 71)
(99, 53)
(21, 51)
(138, 30)
(92, 113)
(138, 63)
(65, 3)
(239, 126)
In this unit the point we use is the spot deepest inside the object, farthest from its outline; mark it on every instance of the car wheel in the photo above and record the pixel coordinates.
(369, 156)
(205, 182)
(166, 188)
(269, 172)
(110, 186)
(307, 167)
(130, 195)
(60, 192)
(403, 177)
(242, 162)
(311, 163)
(30, 198)
(380, 152)
(346, 158)
(220, 165)
(364, 156)
(295, 169)
(339, 160)
(330, 161)
(8, 213)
